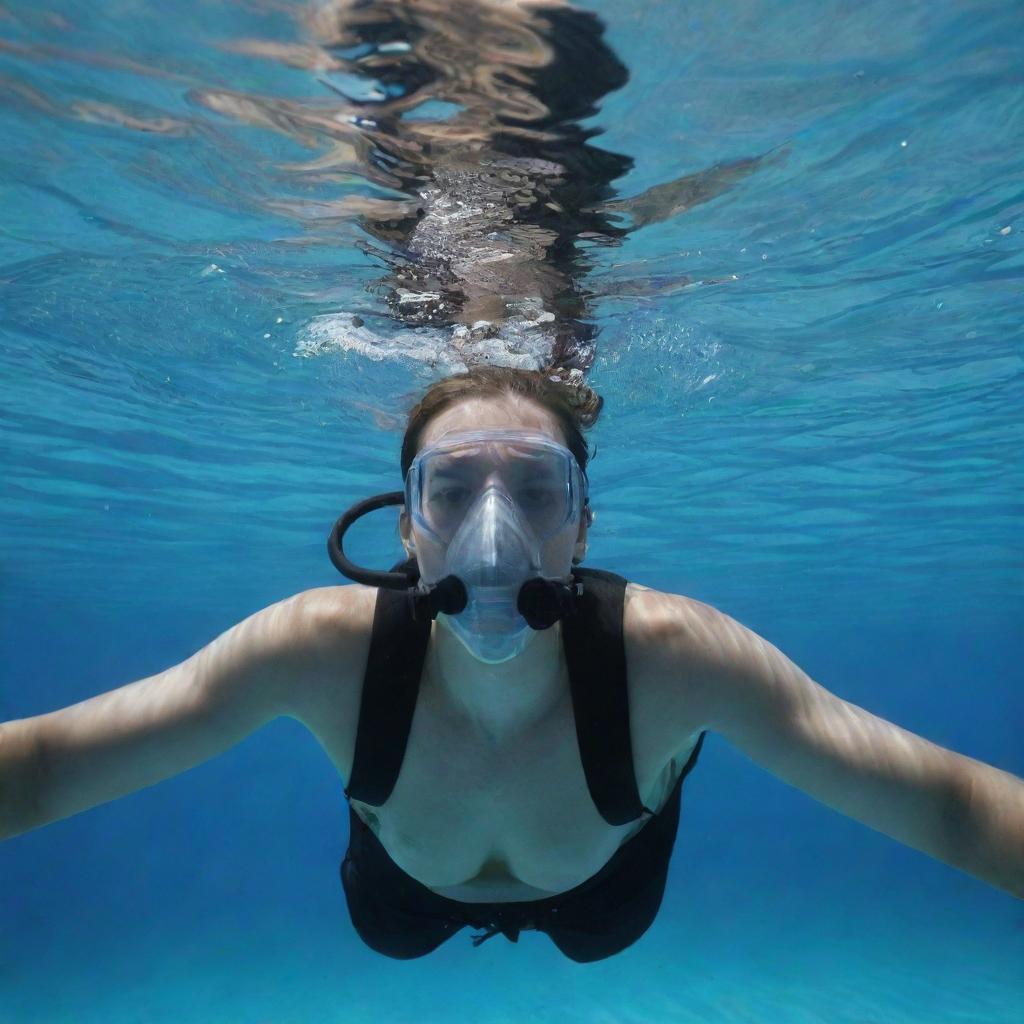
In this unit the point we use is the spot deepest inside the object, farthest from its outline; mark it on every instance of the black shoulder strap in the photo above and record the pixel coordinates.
(391, 685)
(596, 657)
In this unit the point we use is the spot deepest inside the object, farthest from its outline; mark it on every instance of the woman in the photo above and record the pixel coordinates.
(513, 730)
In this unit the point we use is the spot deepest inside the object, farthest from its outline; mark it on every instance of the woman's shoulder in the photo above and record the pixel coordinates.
(329, 630)
(666, 655)
(324, 626)
(336, 609)
(677, 646)
(661, 617)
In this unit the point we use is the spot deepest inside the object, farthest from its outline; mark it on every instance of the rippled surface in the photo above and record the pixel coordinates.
(796, 279)
(813, 377)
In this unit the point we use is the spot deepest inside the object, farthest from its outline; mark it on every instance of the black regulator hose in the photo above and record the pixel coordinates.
(448, 595)
(371, 577)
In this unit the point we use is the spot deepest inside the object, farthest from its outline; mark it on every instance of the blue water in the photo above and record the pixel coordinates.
(816, 428)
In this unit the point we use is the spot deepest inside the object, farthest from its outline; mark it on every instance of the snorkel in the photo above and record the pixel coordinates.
(481, 561)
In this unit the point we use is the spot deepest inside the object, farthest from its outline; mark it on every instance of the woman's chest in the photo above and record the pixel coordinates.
(488, 820)
(508, 814)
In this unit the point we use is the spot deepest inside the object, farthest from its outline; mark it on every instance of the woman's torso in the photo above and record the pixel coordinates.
(483, 818)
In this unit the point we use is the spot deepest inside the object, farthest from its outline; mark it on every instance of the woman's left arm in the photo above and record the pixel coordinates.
(958, 810)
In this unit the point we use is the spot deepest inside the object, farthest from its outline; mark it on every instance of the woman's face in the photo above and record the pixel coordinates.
(507, 412)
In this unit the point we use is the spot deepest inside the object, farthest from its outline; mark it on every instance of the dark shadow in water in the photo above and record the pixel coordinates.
(507, 189)
(509, 192)
(459, 121)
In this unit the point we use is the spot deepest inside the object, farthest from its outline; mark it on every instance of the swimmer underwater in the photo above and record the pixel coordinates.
(513, 728)
(557, 709)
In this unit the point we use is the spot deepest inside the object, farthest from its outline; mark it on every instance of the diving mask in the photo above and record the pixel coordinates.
(495, 517)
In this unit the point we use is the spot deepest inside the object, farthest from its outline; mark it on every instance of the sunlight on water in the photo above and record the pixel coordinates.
(784, 242)
(836, 333)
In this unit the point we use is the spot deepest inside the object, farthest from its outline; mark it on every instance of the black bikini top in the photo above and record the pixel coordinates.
(596, 659)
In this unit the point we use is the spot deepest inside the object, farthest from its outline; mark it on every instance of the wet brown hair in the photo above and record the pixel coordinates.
(574, 405)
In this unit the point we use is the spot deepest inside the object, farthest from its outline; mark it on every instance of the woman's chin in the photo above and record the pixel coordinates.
(491, 646)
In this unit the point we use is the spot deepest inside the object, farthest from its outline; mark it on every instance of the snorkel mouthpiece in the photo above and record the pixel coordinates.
(543, 602)
(496, 555)
(540, 601)
(448, 596)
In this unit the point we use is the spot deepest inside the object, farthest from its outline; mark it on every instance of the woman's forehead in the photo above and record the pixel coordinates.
(507, 412)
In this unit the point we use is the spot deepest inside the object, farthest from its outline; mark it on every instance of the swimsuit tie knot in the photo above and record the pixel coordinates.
(510, 931)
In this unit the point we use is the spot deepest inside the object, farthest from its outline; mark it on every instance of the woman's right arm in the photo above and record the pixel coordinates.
(274, 663)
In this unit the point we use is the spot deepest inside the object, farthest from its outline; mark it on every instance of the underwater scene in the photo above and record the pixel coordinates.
(782, 240)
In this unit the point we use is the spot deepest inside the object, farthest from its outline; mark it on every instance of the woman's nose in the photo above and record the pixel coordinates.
(495, 481)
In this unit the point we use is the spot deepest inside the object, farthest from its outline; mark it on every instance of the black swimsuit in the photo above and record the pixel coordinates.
(400, 917)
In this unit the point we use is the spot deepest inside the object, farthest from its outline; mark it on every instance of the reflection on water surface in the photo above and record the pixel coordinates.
(471, 111)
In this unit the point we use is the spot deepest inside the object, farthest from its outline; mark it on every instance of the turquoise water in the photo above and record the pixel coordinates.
(812, 421)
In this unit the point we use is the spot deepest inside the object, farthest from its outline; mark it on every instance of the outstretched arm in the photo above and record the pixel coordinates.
(57, 764)
(954, 808)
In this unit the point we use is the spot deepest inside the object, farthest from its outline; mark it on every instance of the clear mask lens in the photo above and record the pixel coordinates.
(540, 478)
(486, 503)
